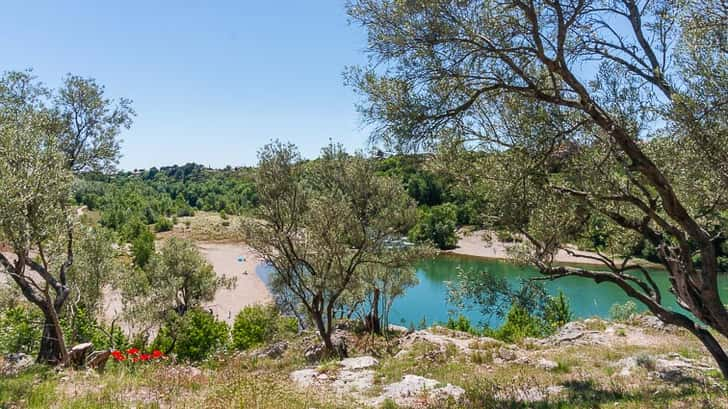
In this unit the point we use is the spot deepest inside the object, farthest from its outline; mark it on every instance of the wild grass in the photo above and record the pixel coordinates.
(585, 373)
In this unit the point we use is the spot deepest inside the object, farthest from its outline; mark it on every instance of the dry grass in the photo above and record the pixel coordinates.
(586, 374)
(205, 226)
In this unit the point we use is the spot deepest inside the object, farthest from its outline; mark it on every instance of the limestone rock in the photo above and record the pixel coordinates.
(546, 364)
(415, 390)
(353, 382)
(361, 362)
(398, 329)
(273, 351)
(314, 353)
(13, 364)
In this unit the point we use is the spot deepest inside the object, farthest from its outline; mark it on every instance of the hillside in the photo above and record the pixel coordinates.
(587, 364)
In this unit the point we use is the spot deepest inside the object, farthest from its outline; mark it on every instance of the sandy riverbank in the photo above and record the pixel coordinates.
(474, 244)
(249, 288)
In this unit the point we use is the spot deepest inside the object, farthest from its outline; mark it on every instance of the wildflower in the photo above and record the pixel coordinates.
(132, 351)
(156, 354)
(145, 357)
(118, 356)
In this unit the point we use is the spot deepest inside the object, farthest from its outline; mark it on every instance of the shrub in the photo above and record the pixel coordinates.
(257, 324)
(557, 311)
(20, 329)
(461, 324)
(519, 324)
(193, 336)
(84, 328)
(623, 312)
(142, 248)
(163, 224)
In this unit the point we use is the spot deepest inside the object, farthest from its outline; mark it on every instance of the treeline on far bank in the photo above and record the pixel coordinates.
(155, 197)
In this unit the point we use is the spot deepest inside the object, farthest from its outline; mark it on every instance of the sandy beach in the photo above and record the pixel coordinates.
(249, 288)
(473, 244)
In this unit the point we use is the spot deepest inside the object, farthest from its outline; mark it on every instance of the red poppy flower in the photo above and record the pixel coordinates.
(132, 351)
(135, 359)
(156, 354)
(145, 357)
(118, 356)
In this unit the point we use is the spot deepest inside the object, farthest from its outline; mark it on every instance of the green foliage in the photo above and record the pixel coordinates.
(154, 195)
(462, 323)
(557, 311)
(83, 326)
(258, 324)
(519, 324)
(142, 247)
(20, 329)
(163, 224)
(193, 336)
(438, 225)
(623, 312)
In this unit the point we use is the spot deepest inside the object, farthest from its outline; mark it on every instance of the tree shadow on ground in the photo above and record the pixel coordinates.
(587, 394)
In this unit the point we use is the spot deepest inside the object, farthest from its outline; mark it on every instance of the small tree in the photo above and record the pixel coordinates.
(320, 223)
(180, 278)
(94, 267)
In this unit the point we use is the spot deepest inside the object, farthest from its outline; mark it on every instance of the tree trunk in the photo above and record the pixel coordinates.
(52, 347)
(325, 335)
(371, 321)
(712, 345)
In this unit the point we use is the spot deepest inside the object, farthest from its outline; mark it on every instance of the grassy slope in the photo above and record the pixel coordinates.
(237, 381)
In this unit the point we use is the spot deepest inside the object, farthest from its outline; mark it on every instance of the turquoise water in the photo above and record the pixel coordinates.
(428, 300)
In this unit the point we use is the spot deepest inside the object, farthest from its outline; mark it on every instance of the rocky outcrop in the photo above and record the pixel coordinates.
(273, 351)
(13, 364)
(415, 390)
(442, 337)
(670, 367)
(355, 378)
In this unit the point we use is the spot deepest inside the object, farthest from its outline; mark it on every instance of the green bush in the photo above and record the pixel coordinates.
(557, 311)
(461, 324)
(85, 328)
(437, 225)
(142, 248)
(193, 336)
(258, 324)
(20, 329)
(519, 324)
(163, 224)
(623, 312)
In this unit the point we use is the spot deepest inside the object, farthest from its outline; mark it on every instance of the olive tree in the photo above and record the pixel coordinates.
(175, 281)
(572, 110)
(91, 124)
(321, 223)
(35, 190)
(38, 156)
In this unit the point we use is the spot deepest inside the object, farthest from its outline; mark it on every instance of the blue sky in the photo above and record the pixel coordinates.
(211, 81)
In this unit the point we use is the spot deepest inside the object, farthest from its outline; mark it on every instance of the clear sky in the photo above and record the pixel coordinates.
(211, 81)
